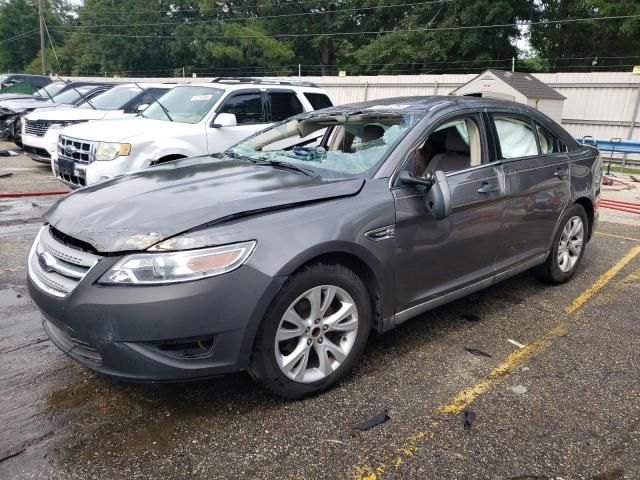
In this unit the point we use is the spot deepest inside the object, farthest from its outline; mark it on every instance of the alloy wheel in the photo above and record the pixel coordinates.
(316, 334)
(570, 244)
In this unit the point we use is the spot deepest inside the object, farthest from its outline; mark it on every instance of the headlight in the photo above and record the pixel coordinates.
(173, 267)
(111, 151)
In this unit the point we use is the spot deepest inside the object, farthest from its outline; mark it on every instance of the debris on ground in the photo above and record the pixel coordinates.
(470, 317)
(514, 343)
(375, 420)
(519, 389)
(476, 352)
(469, 417)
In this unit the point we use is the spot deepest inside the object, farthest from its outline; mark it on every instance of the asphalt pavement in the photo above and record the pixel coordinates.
(550, 388)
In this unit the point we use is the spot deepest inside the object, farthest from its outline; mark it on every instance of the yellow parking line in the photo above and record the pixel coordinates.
(613, 235)
(515, 360)
(602, 281)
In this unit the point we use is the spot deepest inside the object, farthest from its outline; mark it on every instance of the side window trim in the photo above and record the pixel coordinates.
(516, 116)
(235, 94)
(476, 115)
(541, 129)
(269, 107)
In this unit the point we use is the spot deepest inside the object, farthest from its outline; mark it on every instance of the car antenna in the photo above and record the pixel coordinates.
(81, 96)
(166, 112)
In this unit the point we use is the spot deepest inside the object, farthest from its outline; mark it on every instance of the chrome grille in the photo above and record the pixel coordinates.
(57, 268)
(80, 151)
(36, 127)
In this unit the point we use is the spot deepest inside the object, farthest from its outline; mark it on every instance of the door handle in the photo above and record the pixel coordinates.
(486, 187)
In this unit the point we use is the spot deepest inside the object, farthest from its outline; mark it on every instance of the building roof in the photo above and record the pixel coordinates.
(525, 83)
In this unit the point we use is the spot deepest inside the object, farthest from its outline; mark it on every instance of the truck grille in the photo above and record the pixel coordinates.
(36, 127)
(55, 267)
(80, 151)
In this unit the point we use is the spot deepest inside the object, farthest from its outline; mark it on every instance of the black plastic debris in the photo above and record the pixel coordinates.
(375, 420)
(5, 175)
(478, 353)
(469, 417)
(470, 317)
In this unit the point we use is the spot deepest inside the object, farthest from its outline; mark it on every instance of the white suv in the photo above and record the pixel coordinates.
(190, 120)
(40, 128)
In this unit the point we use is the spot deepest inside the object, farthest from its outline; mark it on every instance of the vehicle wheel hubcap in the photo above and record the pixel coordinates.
(570, 244)
(316, 334)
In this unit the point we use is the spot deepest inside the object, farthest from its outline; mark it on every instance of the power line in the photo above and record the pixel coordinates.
(264, 17)
(378, 32)
(19, 37)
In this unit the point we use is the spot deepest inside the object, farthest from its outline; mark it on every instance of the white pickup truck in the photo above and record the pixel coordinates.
(190, 120)
(40, 128)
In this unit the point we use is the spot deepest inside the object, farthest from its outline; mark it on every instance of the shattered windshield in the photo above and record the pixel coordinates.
(334, 145)
(187, 104)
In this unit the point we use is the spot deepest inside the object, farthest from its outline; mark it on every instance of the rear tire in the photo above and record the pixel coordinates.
(567, 247)
(313, 333)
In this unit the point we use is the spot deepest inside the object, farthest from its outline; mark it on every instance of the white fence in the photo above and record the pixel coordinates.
(600, 104)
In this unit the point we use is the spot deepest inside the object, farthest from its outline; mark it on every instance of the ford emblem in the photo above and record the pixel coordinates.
(46, 261)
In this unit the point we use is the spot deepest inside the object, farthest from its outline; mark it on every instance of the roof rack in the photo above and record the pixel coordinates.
(262, 81)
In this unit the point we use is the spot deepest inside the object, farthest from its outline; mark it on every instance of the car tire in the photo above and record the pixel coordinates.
(340, 346)
(563, 261)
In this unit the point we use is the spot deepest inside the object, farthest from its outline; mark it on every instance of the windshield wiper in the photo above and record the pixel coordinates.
(166, 112)
(271, 163)
(284, 165)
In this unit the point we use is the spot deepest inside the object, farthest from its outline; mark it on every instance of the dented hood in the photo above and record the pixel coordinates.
(136, 211)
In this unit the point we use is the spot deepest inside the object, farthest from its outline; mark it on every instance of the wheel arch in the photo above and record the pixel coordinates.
(353, 256)
(587, 204)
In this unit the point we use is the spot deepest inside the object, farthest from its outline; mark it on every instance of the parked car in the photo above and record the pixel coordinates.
(41, 128)
(281, 254)
(44, 93)
(190, 120)
(11, 111)
(36, 81)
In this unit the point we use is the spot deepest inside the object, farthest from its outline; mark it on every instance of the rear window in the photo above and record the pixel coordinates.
(318, 100)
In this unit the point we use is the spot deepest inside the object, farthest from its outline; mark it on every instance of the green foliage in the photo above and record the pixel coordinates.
(585, 46)
(273, 37)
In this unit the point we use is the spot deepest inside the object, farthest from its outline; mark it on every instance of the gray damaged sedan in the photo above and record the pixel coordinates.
(281, 255)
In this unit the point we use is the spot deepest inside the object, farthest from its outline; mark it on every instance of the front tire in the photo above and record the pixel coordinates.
(567, 248)
(313, 333)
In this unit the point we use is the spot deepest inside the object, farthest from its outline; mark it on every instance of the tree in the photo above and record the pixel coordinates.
(17, 17)
(584, 46)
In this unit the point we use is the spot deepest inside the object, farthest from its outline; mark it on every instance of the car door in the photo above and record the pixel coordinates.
(435, 258)
(249, 108)
(538, 187)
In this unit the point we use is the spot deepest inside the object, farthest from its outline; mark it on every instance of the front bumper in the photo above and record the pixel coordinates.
(78, 174)
(130, 332)
(40, 149)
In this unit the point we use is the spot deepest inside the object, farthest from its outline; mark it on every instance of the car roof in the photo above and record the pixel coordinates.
(253, 86)
(148, 85)
(430, 103)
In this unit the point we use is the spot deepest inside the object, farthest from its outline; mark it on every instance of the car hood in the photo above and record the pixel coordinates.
(66, 114)
(18, 106)
(120, 130)
(16, 96)
(136, 211)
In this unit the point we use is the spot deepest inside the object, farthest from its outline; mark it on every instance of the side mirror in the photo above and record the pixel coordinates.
(437, 196)
(224, 120)
(143, 107)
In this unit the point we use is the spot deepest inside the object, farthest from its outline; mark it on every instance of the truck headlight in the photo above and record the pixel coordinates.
(107, 151)
(173, 267)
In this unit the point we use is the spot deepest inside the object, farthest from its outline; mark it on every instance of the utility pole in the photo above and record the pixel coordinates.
(41, 17)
